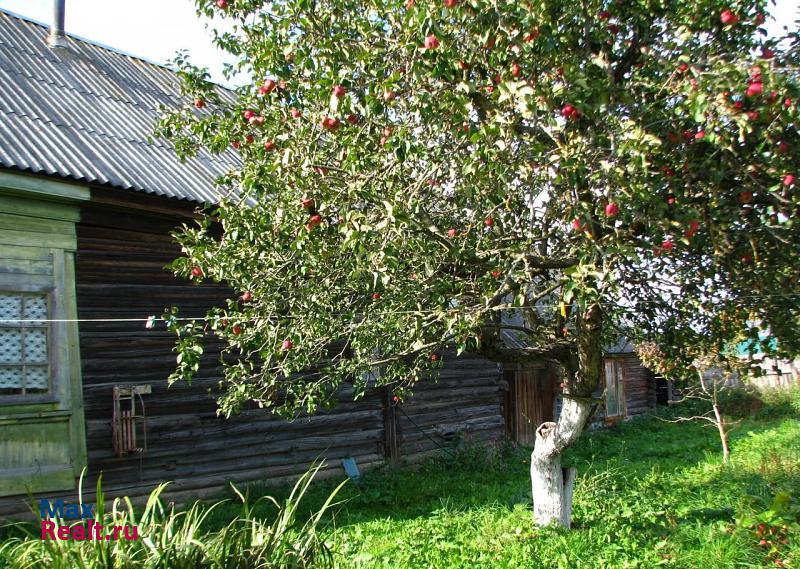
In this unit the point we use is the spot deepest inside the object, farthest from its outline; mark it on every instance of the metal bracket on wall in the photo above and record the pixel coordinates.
(129, 421)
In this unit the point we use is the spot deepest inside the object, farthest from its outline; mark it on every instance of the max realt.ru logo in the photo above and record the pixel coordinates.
(76, 521)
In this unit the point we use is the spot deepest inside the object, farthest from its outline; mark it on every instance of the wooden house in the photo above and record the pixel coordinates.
(87, 205)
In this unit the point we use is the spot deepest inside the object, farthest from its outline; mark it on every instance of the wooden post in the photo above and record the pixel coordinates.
(391, 427)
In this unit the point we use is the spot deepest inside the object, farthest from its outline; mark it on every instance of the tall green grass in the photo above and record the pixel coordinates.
(172, 539)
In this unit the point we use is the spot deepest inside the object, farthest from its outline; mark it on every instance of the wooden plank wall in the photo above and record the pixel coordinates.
(463, 405)
(639, 386)
(123, 245)
(529, 401)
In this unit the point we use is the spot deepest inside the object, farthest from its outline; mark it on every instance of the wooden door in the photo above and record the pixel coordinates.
(528, 401)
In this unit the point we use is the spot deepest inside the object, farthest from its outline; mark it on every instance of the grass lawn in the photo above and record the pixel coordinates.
(650, 494)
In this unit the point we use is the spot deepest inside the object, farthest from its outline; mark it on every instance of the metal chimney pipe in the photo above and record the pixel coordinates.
(57, 37)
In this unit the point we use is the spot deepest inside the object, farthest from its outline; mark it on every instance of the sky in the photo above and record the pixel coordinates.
(157, 29)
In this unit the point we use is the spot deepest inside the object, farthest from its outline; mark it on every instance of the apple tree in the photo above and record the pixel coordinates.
(417, 174)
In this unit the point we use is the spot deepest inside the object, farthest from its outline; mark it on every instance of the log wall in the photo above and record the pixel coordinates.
(123, 246)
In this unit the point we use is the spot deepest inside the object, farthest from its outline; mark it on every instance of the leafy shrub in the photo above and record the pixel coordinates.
(773, 525)
(781, 402)
(171, 539)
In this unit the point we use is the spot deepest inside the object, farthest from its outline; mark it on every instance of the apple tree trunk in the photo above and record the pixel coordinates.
(551, 484)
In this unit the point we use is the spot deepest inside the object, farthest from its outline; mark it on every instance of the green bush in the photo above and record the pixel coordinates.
(171, 539)
(781, 402)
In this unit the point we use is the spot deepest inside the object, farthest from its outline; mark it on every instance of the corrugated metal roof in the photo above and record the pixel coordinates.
(86, 112)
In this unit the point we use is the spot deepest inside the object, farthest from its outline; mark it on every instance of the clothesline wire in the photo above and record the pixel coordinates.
(152, 317)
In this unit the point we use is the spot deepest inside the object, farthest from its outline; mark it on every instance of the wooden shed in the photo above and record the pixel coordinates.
(531, 393)
(87, 204)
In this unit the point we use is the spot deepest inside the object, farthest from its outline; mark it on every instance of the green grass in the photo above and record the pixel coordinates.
(650, 494)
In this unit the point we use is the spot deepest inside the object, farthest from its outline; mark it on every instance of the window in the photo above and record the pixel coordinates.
(615, 393)
(24, 361)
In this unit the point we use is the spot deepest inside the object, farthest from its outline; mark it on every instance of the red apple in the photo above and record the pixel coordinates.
(515, 70)
(257, 120)
(383, 140)
(569, 111)
(389, 95)
(450, 3)
(315, 219)
(496, 274)
(197, 272)
(396, 399)
(755, 72)
(755, 88)
(683, 68)
(249, 139)
(375, 296)
(767, 53)
(222, 4)
(387, 131)
(783, 147)
(339, 91)
(612, 210)
(199, 103)
(463, 65)
(753, 115)
(269, 145)
(577, 224)
(613, 28)
(788, 180)
(352, 119)
(667, 245)
(236, 330)
(268, 87)
(248, 114)
(431, 42)
(787, 102)
(451, 232)
(330, 124)
(307, 203)
(604, 15)
(728, 18)
(296, 113)
(247, 296)
(287, 345)
(700, 134)
(488, 222)
(745, 197)
(671, 200)
(236, 144)
(759, 19)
